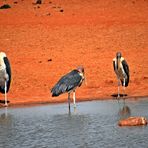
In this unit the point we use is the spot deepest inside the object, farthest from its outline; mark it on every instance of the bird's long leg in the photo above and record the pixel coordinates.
(124, 87)
(74, 98)
(69, 101)
(124, 94)
(118, 88)
(6, 104)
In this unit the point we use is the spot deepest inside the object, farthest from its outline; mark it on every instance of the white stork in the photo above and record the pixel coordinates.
(68, 83)
(5, 75)
(121, 69)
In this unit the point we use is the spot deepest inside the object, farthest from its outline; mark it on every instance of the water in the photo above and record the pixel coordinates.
(93, 125)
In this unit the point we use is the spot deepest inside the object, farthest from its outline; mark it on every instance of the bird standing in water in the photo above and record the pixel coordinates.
(5, 75)
(68, 83)
(121, 69)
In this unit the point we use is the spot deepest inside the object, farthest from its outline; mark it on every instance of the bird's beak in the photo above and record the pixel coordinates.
(85, 81)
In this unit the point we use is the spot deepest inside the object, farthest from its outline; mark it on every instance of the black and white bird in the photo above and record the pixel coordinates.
(121, 69)
(68, 83)
(5, 75)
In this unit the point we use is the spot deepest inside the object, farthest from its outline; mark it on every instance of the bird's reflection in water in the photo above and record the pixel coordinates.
(5, 117)
(124, 110)
(74, 111)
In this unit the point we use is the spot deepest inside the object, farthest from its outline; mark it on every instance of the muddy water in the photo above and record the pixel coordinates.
(92, 125)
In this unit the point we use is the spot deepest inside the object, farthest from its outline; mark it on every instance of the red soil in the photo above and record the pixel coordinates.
(44, 42)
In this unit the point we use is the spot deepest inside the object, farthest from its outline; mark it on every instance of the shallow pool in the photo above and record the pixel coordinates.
(92, 125)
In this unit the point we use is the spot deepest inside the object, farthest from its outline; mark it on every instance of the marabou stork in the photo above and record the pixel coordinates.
(5, 75)
(121, 69)
(68, 83)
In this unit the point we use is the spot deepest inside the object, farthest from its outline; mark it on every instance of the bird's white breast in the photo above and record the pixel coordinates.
(3, 75)
(2, 65)
(120, 71)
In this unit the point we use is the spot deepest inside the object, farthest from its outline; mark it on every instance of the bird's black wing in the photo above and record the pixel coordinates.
(8, 70)
(126, 69)
(67, 83)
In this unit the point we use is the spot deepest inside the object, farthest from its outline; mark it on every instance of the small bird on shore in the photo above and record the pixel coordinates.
(121, 69)
(68, 83)
(5, 75)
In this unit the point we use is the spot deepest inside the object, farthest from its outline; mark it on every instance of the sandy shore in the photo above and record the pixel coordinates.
(44, 42)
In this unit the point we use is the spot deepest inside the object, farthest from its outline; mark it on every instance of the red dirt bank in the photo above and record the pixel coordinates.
(43, 43)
